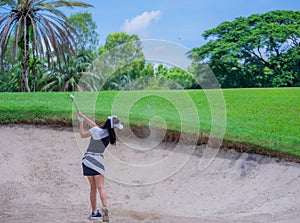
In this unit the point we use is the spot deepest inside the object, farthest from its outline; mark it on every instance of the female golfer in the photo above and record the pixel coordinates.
(93, 161)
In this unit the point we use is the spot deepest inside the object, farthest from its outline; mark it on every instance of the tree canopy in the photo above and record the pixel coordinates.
(123, 53)
(262, 50)
(85, 27)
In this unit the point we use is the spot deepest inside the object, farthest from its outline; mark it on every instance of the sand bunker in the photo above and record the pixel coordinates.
(41, 181)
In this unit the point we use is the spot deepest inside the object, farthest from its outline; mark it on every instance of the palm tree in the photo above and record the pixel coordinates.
(38, 29)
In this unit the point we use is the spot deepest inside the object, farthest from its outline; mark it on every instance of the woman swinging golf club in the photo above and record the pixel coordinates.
(93, 160)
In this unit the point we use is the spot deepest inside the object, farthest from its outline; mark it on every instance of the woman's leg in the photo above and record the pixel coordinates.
(99, 179)
(93, 192)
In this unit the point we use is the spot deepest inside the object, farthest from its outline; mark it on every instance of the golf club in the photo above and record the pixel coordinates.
(72, 97)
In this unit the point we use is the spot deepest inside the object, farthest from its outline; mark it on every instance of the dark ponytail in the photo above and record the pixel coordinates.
(111, 131)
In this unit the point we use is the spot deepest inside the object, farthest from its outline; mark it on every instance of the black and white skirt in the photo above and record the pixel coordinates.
(93, 164)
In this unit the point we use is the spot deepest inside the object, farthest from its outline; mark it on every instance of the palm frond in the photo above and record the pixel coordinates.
(17, 35)
(11, 3)
(70, 4)
(5, 33)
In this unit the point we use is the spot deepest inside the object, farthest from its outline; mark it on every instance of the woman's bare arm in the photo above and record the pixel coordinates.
(84, 133)
(89, 121)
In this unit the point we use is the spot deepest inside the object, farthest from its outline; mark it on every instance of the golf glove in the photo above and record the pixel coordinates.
(80, 119)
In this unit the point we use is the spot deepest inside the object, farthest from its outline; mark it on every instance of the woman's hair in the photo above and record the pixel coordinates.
(111, 131)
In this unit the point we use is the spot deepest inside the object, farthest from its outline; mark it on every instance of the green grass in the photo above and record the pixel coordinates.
(268, 118)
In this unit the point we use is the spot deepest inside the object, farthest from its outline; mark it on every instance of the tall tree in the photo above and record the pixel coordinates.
(123, 54)
(261, 50)
(39, 29)
(84, 25)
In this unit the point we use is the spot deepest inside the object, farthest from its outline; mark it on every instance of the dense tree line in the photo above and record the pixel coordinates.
(258, 51)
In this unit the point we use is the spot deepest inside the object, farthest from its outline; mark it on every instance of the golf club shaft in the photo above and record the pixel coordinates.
(75, 105)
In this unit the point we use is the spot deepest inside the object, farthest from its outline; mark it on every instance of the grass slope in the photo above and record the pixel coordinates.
(264, 117)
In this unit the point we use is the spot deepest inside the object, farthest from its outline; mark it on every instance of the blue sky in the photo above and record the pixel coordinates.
(182, 22)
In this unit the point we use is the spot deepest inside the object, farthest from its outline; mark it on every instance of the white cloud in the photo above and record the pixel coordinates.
(139, 23)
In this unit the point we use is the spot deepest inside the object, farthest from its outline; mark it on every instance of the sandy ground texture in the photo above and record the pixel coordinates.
(41, 181)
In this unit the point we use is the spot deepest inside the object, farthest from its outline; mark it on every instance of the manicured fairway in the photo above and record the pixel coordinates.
(268, 118)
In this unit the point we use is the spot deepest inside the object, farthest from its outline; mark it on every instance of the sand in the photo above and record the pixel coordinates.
(41, 181)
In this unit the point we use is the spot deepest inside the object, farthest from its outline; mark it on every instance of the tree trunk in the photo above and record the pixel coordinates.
(25, 71)
(25, 84)
(26, 60)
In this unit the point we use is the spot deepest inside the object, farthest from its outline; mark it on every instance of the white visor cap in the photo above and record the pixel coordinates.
(115, 122)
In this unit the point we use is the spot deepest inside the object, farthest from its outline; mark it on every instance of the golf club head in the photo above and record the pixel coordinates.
(72, 97)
